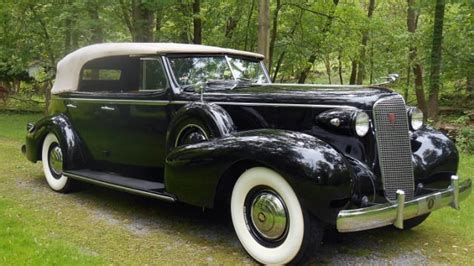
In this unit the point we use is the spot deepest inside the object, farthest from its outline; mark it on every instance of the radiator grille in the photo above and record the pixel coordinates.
(393, 145)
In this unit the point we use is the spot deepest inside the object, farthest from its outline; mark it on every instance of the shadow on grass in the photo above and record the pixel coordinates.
(141, 216)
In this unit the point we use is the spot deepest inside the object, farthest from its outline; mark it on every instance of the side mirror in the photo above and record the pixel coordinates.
(391, 78)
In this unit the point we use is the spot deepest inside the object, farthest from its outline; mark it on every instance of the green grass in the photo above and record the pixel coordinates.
(25, 240)
(99, 226)
(13, 126)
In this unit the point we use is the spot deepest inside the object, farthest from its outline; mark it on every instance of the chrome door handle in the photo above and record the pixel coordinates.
(107, 108)
(70, 105)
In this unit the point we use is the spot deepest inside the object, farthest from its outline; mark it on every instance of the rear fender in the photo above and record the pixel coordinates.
(68, 140)
(319, 174)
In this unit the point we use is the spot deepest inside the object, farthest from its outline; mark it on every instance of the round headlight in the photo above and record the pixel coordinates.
(362, 124)
(416, 118)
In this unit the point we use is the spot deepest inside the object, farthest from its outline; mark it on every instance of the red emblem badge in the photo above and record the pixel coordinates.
(392, 118)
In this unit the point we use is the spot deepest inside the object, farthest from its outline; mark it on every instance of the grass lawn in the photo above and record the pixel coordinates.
(99, 226)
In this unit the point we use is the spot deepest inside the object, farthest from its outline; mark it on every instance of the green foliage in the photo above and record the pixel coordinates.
(465, 140)
(319, 30)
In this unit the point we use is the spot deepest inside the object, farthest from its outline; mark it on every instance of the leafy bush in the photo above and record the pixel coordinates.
(465, 140)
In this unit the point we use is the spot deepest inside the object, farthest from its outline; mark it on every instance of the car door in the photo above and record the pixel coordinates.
(138, 120)
(89, 109)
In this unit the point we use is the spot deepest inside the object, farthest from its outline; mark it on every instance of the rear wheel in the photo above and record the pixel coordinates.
(269, 220)
(52, 158)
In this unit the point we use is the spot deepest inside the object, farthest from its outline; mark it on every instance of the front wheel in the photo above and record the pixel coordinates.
(52, 158)
(269, 220)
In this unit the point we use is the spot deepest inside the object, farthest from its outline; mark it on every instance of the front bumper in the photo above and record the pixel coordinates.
(395, 213)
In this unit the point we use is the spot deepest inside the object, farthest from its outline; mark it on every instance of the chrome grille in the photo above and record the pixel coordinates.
(393, 145)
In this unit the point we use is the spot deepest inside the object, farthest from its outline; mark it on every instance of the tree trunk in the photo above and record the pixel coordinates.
(312, 57)
(436, 60)
(283, 53)
(470, 88)
(249, 20)
(197, 22)
(406, 93)
(352, 79)
(264, 29)
(339, 68)
(327, 64)
(158, 24)
(305, 72)
(412, 24)
(273, 35)
(140, 20)
(365, 39)
(93, 8)
(67, 35)
(230, 27)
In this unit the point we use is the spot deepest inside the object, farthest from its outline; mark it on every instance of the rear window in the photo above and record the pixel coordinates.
(101, 74)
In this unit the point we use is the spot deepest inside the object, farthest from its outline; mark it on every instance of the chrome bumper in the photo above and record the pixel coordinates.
(396, 213)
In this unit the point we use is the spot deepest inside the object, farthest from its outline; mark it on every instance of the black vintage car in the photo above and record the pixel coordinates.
(205, 126)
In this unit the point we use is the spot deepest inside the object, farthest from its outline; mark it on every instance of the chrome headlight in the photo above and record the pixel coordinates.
(351, 122)
(415, 117)
(362, 124)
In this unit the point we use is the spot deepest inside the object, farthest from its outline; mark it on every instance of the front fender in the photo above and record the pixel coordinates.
(435, 157)
(212, 115)
(320, 176)
(68, 139)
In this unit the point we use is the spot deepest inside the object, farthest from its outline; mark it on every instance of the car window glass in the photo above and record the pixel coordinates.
(114, 74)
(246, 69)
(101, 74)
(190, 70)
(152, 74)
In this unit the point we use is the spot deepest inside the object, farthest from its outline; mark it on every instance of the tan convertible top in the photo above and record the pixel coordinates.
(69, 68)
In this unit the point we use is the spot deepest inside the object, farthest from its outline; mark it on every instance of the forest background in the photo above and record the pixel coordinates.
(428, 42)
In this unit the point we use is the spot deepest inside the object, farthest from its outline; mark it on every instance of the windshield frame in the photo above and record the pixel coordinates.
(177, 88)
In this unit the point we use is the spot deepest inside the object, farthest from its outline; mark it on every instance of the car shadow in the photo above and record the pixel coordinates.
(143, 215)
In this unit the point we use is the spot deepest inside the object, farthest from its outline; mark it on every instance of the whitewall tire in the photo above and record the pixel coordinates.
(269, 220)
(52, 159)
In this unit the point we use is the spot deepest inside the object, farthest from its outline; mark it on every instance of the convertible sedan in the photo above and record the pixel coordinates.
(205, 126)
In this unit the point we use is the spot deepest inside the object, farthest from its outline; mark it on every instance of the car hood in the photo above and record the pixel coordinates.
(356, 96)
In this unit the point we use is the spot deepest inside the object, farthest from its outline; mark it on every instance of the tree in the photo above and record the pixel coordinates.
(417, 68)
(436, 59)
(197, 22)
(139, 17)
(264, 29)
(326, 28)
(365, 38)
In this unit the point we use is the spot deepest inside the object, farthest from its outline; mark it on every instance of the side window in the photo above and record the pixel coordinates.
(152, 75)
(114, 74)
(101, 74)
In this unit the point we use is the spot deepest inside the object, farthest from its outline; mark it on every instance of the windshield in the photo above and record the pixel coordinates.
(194, 69)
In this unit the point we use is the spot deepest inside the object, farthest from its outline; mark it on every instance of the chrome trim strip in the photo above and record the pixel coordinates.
(121, 188)
(275, 104)
(315, 85)
(119, 101)
(387, 214)
(161, 102)
(265, 71)
(188, 126)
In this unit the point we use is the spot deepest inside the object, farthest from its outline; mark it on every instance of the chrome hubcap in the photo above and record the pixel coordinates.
(56, 160)
(268, 215)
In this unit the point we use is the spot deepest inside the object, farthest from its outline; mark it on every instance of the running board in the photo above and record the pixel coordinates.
(131, 185)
